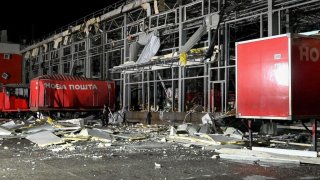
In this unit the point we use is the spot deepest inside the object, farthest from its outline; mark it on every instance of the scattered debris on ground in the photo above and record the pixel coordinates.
(225, 142)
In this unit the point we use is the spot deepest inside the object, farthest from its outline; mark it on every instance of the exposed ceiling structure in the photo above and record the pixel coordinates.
(184, 40)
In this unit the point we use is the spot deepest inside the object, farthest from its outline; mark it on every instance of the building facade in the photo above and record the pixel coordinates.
(10, 61)
(167, 55)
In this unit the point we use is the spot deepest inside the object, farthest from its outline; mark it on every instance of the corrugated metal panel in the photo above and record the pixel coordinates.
(150, 50)
(144, 38)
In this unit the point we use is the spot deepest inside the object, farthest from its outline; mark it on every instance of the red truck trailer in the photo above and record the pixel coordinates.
(14, 98)
(69, 93)
(278, 78)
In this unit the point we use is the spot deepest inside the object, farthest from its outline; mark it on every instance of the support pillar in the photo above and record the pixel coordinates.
(261, 26)
(250, 133)
(182, 41)
(155, 98)
(125, 40)
(288, 28)
(148, 91)
(87, 60)
(314, 134)
(273, 20)
(143, 91)
(173, 88)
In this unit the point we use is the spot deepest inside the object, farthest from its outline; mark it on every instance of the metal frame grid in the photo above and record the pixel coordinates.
(98, 46)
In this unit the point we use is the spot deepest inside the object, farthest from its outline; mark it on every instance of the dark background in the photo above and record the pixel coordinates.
(35, 19)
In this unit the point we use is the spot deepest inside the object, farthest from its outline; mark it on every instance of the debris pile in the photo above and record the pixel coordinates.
(225, 142)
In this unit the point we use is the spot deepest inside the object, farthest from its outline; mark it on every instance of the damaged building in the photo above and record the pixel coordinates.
(172, 89)
(166, 56)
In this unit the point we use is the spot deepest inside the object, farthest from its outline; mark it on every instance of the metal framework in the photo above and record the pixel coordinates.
(106, 45)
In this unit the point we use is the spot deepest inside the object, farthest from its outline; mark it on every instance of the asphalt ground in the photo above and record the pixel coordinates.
(146, 159)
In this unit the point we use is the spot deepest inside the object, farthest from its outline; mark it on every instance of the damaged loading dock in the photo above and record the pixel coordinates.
(162, 82)
(123, 46)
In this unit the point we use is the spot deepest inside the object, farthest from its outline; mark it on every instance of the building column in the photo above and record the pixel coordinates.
(273, 20)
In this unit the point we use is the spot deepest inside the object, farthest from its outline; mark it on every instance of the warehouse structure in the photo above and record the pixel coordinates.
(168, 55)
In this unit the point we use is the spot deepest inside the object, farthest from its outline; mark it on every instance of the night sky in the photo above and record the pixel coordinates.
(30, 19)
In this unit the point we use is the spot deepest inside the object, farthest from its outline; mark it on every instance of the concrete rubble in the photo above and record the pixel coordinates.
(252, 155)
(44, 138)
(4, 132)
(225, 142)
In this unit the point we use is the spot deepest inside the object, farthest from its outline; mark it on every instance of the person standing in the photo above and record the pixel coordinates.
(105, 116)
(148, 118)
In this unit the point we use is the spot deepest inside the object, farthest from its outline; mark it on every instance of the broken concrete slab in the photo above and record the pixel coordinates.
(202, 140)
(96, 134)
(110, 131)
(187, 128)
(68, 138)
(44, 138)
(132, 136)
(192, 129)
(267, 156)
(147, 129)
(4, 132)
(206, 119)
(255, 159)
(233, 132)
(286, 151)
(78, 122)
(173, 131)
(44, 127)
(10, 125)
(69, 147)
(224, 139)
(182, 129)
(67, 128)
(205, 129)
